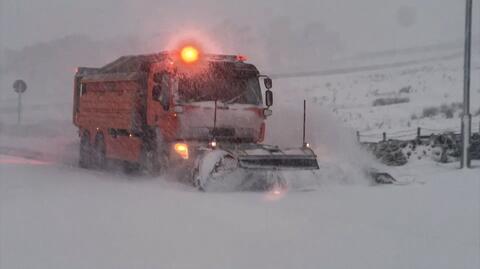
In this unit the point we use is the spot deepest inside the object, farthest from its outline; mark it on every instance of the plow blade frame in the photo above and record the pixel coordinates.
(273, 158)
(278, 162)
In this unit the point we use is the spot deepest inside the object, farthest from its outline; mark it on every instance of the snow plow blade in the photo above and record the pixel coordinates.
(273, 158)
(250, 167)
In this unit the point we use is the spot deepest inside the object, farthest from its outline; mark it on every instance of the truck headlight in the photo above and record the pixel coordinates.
(182, 150)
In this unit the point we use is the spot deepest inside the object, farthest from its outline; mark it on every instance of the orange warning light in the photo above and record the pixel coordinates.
(189, 54)
(241, 58)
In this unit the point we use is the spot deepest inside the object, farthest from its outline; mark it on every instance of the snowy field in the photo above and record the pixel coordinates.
(56, 215)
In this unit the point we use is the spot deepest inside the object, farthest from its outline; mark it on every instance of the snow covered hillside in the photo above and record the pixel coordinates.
(427, 95)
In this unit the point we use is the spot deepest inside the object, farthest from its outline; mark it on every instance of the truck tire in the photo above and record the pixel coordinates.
(85, 158)
(99, 152)
(130, 168)
(215, 171)
(149, 160)
(196, 180)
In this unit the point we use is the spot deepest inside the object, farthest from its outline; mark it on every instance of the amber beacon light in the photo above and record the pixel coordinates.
(189, 54)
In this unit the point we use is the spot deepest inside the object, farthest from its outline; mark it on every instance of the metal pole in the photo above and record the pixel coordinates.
(19, 109)
(467, 117)
(304, 120)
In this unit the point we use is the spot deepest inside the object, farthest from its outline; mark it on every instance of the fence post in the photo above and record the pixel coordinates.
(384, 136)
(358, 136)
(419, 133)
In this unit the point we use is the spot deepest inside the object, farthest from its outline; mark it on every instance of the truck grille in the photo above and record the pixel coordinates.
(222, 132)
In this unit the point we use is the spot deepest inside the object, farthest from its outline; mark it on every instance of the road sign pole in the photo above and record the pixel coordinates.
(467, 117)
(19, 109)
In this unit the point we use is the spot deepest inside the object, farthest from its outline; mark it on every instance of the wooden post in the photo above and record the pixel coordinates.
(384, 136)
(419, 133)
(358, 136)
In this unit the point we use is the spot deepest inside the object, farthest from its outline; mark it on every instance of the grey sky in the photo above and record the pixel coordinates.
(364, 25)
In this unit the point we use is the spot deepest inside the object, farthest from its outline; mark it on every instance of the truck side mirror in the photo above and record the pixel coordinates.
(269, 98)
(268, 83)
(156, 92)
(161, 96)
(165, 101)
(157, 77)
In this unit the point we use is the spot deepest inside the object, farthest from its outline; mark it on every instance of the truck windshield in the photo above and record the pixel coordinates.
(226, 88)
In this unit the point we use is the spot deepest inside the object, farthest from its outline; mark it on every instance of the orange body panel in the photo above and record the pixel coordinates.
(112, 107)
(124, 148)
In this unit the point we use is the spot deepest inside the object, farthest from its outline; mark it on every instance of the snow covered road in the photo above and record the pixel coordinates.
(54, 216)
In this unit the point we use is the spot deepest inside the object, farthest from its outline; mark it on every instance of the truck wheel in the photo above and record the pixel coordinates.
(215, 171)
(130, 168)
(100, 152)
(149, 161)
(196, 180)
(85, 160)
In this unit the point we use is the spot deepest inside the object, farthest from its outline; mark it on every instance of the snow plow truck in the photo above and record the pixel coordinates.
(202, 114)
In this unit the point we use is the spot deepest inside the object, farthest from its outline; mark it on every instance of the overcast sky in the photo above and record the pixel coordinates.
(363, 25)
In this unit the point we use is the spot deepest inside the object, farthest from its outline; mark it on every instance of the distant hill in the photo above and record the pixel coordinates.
(48, 67)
